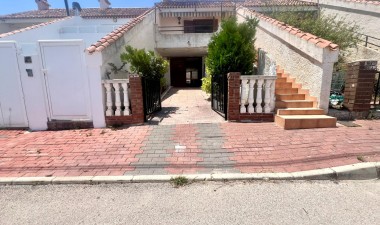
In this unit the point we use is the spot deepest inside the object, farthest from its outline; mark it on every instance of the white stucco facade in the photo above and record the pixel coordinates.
(312, 66)
(36, 95)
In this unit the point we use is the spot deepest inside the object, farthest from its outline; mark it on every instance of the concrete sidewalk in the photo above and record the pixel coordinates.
(185, 149)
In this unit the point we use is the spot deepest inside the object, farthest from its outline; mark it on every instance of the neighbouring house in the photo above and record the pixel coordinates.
(112, 17)
(57, 71)
(366, 14)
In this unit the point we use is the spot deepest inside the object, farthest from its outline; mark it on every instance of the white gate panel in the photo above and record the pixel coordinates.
(66, 80)
(12, 106)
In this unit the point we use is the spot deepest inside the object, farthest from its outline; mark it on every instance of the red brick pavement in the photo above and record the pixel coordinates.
(256, 148)
(69, 153)
(184, 160)
(267, 148)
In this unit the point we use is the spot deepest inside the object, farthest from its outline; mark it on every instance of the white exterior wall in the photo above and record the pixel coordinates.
(34, 88)
(8, 25)
(93, 70)
(361, 53)
(90, 30)
(5, 28)
(50, 31)
(310, 65)
(140, 36)
(366, 15)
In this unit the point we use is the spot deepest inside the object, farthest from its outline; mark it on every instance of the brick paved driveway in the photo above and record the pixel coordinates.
(186, 106)
(188, 148)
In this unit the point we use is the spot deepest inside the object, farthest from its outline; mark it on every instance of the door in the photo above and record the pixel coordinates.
(12, 105)
(67, 86)
(186, 72)
(177, 72)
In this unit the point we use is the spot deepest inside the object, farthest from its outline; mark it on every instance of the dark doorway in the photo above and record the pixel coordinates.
(186, 71)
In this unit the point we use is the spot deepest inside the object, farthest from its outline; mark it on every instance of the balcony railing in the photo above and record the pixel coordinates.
(257, 94)
(188, 29)
(117, 97)
(370, 41)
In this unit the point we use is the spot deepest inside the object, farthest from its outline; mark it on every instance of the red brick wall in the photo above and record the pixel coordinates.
(137, 112)
(358, 90)
(233, 106)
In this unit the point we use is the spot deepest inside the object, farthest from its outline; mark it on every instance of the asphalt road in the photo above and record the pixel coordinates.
(199, 203)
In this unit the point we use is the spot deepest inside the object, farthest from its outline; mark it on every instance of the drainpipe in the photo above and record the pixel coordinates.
(67, 8)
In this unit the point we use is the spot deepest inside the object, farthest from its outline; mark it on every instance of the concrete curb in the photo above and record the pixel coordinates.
(360, 171)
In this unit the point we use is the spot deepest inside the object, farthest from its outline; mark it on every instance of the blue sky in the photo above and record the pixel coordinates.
(13, 6)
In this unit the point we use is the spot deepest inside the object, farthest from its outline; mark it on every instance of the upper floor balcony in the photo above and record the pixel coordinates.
(187, 37)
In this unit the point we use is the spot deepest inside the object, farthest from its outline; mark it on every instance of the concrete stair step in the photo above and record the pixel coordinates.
(294, 104)
(289, 122)
(284, 85)
(281, 80)
(281, 97)
(286, 90)
(300, 111)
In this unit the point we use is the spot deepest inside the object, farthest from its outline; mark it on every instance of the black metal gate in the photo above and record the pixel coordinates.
(152, 96)
(219, 94)
(375, 103)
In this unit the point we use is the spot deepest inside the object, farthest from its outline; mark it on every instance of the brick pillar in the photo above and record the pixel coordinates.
(137, 104)
(233, 106)
(358, 90)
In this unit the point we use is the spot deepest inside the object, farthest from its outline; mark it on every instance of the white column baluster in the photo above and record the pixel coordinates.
(267, 97)
(273, 96)
(117, 99)
(109, 111)
(127, 112)
(242, 96)
(252, 82)
(259, 99)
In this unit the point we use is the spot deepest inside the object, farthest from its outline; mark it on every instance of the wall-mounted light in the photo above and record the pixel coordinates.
(179, 20)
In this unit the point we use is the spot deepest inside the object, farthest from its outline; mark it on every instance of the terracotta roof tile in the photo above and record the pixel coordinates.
(257, 3)
(320, 42)
(31, 27)
(193, 4)
(116, 34)
(231, 3)
(86, 13)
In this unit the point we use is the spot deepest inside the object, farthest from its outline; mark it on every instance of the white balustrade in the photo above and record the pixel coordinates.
(243, 92)
(261, 93)
(117, 97)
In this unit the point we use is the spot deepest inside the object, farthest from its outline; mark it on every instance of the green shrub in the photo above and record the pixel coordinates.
(328, 27)
(232, 49)
(163, 84)
(206, 84)
(145, 63)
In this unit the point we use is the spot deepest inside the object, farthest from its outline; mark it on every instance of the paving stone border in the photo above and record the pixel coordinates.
(360, 171)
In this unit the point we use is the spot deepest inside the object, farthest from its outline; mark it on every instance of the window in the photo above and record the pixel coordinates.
(200, 26)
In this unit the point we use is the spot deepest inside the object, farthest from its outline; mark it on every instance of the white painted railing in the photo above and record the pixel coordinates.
(257, 94)
(117, 97)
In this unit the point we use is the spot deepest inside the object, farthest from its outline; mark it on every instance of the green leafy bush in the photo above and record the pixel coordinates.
(206, 84)
(163, 84)
(232, 49)
(328, 27)
(145, 63)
